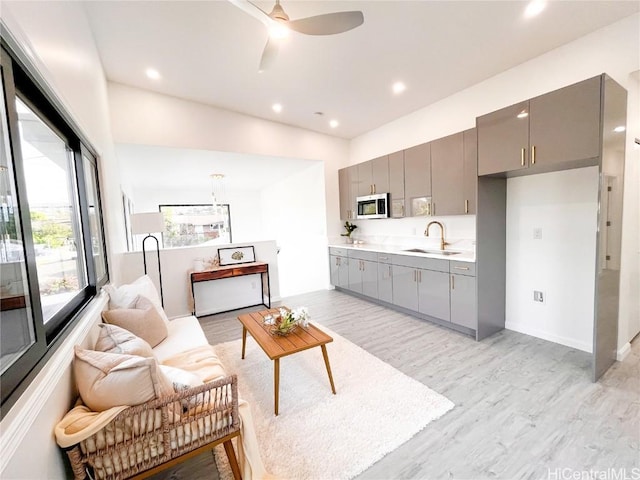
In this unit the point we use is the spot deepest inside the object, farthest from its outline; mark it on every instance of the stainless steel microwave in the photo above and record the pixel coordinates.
(373, 206)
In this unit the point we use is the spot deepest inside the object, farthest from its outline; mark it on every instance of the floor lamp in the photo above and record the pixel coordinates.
(148, 223)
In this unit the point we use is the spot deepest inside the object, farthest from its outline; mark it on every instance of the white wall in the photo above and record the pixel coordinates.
(614, 50)
(293, 213)
(245, 206)
(561, 264)
(59, 37)
(146, 118)
(176, 265)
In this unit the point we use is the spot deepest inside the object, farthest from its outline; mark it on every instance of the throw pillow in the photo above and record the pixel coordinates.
(115, 339)
(141, 319)
(124, 296)
(180, 379)
(107, 380)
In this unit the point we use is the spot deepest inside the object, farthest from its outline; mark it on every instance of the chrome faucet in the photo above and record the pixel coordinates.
(442, 242)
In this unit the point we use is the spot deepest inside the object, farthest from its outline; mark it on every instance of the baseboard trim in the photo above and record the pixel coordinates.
(567, 342)
(623, 352)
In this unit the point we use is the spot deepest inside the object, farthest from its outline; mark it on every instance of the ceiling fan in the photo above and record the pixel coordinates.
(279, 24)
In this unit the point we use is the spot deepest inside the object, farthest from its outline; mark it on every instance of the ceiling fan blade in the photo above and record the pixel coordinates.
(327, 24)
(269, 54)
(254, 11)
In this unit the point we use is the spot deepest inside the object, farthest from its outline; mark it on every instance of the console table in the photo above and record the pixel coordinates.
(233, 271)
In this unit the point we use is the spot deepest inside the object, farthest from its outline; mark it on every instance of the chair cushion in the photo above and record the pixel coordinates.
(142, 319)
(115, 339)
(185, 333)
(107, 380)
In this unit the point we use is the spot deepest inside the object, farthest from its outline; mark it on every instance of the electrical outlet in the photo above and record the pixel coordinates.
(537, 233)
(538, 296)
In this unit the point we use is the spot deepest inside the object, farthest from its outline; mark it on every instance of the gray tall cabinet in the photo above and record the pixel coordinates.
(568, 128)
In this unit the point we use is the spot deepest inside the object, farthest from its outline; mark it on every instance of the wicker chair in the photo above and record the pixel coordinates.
(145, 439)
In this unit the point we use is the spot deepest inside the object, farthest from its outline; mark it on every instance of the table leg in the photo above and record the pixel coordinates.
(244, 339)
(276, 382)
(326, 362)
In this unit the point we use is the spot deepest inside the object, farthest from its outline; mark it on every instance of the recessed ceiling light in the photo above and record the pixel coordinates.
(620, 129)
(276, 107)
(523, 114)
(152, 73)
(534, 8)
(334, 123)
(398, 87)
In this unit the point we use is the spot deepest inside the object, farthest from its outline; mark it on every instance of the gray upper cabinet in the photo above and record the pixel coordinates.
(470, 170)
(417, 180)
(348, 185)
(503, 139)
(564, 125)
(554, 131)
(447, 175)
(373, 176)
(380, 174)
(365, 179)
(396, 184)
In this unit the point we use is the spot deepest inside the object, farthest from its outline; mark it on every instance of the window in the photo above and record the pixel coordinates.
(196, 225)
(52, 250)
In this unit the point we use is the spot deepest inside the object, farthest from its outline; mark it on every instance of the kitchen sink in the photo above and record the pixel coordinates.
(433, 252)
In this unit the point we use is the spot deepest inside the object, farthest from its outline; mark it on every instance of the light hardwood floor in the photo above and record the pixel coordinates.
(525, 408)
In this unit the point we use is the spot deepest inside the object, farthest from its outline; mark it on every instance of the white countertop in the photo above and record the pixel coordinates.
(402, 250)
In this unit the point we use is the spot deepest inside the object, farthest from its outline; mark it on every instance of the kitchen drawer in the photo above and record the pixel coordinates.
(340, 252)
(385, 258)
(463, 268)
(363, 255)
(421, 262)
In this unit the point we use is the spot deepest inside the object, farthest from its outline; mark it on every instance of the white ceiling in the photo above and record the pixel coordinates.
(209, 51)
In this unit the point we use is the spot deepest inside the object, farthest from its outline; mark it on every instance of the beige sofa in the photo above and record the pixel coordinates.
(125, 441)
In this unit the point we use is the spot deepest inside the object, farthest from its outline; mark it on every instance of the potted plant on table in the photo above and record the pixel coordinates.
(349, 227)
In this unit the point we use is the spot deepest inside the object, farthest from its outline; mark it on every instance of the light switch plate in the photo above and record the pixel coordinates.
(537, 233)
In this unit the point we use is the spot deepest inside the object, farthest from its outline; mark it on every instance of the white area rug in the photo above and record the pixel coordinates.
(318, 435)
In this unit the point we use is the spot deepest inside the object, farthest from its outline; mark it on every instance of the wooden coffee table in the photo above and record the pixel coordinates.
(277, 347)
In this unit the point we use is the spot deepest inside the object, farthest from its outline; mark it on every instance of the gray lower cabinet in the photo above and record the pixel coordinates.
(463, 294)
(363, 277)
(441, 289)
(463, 301)
(405, 289)
(433, 294)
(339, 271)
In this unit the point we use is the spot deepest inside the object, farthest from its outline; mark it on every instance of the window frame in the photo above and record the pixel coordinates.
(20, 82)
(196, 205)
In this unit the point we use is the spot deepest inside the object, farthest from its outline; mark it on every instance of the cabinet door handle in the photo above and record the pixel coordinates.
(453, 284)
(415, 275)
(383, 258)
(389, 271)
(533, 154)
(466, 206)
(461, 268)
(523, 152)
(374, 188)
(428, 209)
(433, 208)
